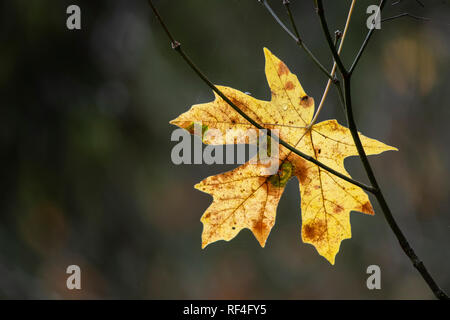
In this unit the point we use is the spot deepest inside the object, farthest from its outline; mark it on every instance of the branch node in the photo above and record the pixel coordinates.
(176, 45)
(335, 80)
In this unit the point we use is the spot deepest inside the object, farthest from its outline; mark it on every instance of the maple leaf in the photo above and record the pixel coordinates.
(245, 198)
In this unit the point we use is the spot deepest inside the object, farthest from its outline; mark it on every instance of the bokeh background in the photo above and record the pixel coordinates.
(87, 178)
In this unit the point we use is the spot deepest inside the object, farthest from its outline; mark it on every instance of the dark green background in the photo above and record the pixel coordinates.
(87, 179)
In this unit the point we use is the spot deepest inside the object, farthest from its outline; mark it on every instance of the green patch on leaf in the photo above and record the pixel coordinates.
(191, 128)
(282, 176)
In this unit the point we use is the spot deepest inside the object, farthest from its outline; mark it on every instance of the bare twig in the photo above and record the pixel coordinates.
(296, 38)
(287, 4)
(419, 2)
(418, 264)
(366, 40)
(418, 18)
(334, 52)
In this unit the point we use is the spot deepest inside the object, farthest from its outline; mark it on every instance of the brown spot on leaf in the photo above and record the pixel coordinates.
(367, 208)
(190, 129)
(260, 229)
(259, 225)
(314, 231)
(306, 101)
(289, 85)
(333, 125)
(301, 170)
(338, 208)
(336, 127)
(282, 69)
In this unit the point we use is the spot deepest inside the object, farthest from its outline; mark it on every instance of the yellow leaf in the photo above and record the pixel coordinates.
(246, 198)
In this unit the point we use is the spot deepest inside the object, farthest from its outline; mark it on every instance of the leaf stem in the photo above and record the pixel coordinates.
(333, 70)
(177, 47)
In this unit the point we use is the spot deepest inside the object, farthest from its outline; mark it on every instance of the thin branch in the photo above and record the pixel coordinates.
(333, 70)
(341, 95)
(366, 40)
(287, 4)
(419, 2)
(277, 19)
(405, 15)
(418, 264)
(296, 38)
(418, 18)
(326, 31)
(177, 47)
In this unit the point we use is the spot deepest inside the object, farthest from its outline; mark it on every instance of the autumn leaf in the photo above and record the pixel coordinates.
(245, 198)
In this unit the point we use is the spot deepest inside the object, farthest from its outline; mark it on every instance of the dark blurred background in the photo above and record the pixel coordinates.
(87, 178)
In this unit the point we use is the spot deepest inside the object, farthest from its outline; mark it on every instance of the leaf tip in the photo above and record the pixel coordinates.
(330, 256)
(200, 186)
(262, 243)
(267, 53)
